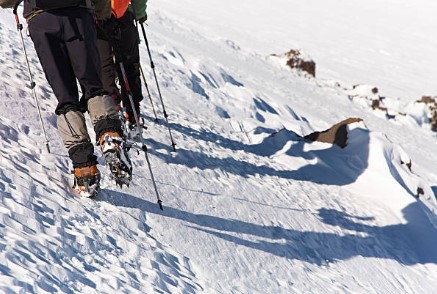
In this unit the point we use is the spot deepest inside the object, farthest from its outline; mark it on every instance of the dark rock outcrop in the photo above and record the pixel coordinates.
(337, 134)
(297, 60)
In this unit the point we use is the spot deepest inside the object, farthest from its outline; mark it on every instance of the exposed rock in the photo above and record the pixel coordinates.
(364, 91)
(433, 119)
(427, 100)
(337, 134)
(376, 104)
(408, 164)
(373, 90)
(296, 59)
(431, 102)
(420, 192)
(370, 95)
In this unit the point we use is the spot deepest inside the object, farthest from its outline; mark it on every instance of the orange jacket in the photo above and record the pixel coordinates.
(119, 7)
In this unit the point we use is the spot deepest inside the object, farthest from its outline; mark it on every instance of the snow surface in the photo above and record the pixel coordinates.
(385, 43)
(249, 207)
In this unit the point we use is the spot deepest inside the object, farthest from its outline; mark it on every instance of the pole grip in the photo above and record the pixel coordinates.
(16, 7)
(17, 20)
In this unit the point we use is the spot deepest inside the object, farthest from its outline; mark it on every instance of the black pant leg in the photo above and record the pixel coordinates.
(46, 33)
(108, 68)
(131, 58)
(81, 42)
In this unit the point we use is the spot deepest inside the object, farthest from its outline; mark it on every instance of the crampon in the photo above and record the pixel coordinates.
(117, 158)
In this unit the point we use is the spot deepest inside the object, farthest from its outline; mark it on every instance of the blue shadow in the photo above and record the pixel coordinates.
(326, 171)
(410, 243)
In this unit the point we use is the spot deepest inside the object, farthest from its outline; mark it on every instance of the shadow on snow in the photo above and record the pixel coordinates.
(332, 167)
(410, 243)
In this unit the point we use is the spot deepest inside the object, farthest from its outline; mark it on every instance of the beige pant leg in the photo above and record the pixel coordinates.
(101, 107)
(72, 128)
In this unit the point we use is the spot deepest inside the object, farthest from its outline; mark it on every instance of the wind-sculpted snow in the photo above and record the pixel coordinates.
(51, 241)
(249, 205)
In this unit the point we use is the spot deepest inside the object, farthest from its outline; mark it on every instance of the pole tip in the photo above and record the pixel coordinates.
(160, 205)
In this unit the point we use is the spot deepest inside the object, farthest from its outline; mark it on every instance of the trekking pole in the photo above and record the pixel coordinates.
(148, 93)
(32, 83)
(137, 120)
(152, 65)
(142, 72)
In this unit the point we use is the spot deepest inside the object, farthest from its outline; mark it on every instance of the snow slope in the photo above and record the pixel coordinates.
(249, 207)
(385, 43)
